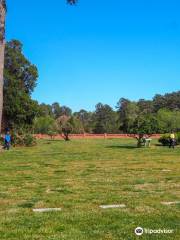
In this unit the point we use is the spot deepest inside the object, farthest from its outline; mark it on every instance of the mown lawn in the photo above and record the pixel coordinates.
(81, 175)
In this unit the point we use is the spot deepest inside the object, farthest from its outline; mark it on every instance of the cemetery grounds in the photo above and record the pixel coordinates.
(78, 177)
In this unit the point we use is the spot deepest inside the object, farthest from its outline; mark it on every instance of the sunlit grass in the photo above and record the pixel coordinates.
(81, 175)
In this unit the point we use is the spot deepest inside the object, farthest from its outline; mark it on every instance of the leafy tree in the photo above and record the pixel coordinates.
(62, 120)
(86, 118)
(159, 102)
(105, 119)
(45, 110)
(128, 113)
(137, 119)
(45, 125)
(168, 120)
(20, 78)
(143, 126)
(56, 109)
(145, 106)
(77, 126)
(64, 110)
(162, 113)
(64, 126)
(66, 130)
(169, 101)
(75, 123)
(17, 66)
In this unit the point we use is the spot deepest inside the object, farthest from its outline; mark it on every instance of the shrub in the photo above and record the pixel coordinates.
(23, 139)
(164, 139)
(29, 140)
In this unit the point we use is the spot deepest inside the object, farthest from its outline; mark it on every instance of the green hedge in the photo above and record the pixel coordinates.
(165, 138)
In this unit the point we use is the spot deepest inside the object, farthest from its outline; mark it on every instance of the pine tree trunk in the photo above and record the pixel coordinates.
(2, 48)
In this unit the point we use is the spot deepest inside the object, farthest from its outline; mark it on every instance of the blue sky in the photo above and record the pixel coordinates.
(99, 51)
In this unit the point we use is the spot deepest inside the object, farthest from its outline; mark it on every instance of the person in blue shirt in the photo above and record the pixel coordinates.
(7, 141)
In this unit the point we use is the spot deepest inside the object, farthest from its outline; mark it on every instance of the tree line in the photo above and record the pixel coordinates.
(159, 115)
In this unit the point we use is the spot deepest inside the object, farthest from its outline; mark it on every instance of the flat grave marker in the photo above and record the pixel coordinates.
(42, 210)
(170, 203)
(112, 206)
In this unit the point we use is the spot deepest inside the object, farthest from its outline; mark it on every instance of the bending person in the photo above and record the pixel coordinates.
(172, 141)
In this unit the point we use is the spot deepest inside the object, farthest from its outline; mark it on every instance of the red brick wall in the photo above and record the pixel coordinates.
(90, 136)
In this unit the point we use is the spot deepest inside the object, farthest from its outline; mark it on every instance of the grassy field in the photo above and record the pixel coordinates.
(81, 175)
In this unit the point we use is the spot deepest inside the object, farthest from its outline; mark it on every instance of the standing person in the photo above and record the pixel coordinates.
(7, 141)
(172, 141)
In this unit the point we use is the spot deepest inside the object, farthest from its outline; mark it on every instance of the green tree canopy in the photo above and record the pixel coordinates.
(56, 110)
(64, 110)
(20, 77)
(45, 125)
(168, 120)
(105, 119)
(128, 113)
(86, 118)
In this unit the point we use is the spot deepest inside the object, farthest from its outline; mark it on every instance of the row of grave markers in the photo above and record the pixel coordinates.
(41, 210)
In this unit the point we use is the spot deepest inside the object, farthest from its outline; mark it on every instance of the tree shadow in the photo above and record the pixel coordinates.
(50, 141)
(160, 145)
(122, 147)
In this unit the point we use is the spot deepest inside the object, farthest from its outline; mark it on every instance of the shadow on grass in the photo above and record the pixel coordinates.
(49, 141)
(122, 147)
(160, 145)
(165, 146)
